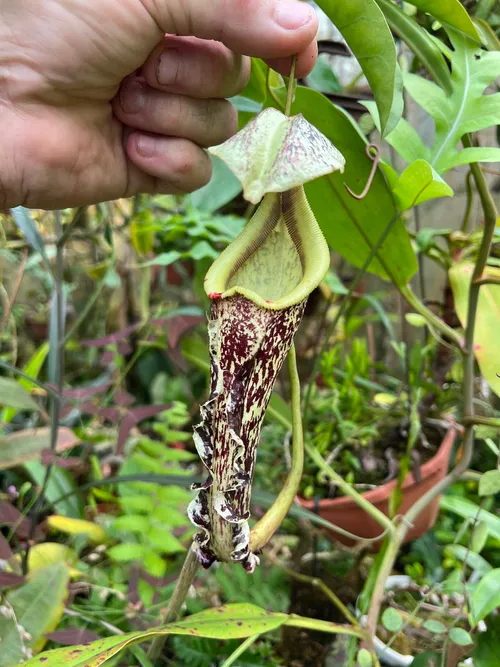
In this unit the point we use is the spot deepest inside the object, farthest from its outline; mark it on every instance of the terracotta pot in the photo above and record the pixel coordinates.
(344, 513)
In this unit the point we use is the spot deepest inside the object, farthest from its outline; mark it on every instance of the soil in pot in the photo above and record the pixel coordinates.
(344, 512)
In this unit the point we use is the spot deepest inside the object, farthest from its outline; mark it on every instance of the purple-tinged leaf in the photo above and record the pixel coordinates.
(5, 550)
(86, 392)
(123, 398)
(111, 414)
(132, 418)
(9, 580)
(112, 339)
(72, 636)
(10, 517)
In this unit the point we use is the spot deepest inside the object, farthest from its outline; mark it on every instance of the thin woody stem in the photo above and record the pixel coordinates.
(186, 578)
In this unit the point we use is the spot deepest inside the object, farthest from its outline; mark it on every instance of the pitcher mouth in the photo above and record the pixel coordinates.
(278, 260)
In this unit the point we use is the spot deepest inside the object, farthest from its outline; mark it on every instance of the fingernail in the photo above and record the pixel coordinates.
(146, 146)
(293, 15)
(168, 67)
(132, 97)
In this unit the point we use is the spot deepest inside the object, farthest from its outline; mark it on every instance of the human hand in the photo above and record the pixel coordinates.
(102, 99)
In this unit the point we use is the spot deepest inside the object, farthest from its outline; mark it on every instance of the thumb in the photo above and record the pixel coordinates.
(269, 29)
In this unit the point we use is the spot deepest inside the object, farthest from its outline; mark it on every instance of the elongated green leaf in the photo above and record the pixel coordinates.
(24, 221)
(234, 621)
(352, 227)
(473, 560)
(13, 395)
(60, 484)
(38, 606)
(365, 30)
(23, 446)
(449, 12)
(487, 320)
(488, 36)
(469, 510)
(419, 41)
(485, 598)
(418, 183)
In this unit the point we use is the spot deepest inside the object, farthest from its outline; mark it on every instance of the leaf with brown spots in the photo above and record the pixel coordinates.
(235, 621)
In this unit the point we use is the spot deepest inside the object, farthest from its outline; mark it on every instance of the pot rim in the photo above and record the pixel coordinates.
(382, 492)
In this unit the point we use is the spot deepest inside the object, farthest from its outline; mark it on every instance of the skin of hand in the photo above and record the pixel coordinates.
(102, 99)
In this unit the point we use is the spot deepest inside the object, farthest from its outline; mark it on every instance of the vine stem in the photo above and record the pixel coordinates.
(184, 582)
(291, 87)
(490, 220)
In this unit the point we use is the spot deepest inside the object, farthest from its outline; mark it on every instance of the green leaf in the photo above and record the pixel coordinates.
(234, 621)
(364, 658)
(323, 78)
(449, 12)
(489, 484)
(161, 538)
(32, 368)
(479, 537)
(418, 183)
(202, 250)
(365, 30)
(135, 523)
(125, 553)
(461, 637)
(222, 188)
(13, 395)
(352, 227)
(488, 645)
(473, 560)
(469, 510)
(487, 320)
(435, 627)
(485, 597)
(38, 606)
(466, 109)
(419, 41)
(165, 259)
(24, 221)
(392, 620)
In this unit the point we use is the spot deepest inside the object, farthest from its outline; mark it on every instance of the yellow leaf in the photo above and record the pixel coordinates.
(487, 320)
(63, 524)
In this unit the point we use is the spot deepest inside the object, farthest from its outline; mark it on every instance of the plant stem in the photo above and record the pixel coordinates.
(315, 582)
(291, 87)
(490, 219)
(433, 320)
(474, 420)
(265, 528)
(186, 578)
(470, 199)
(240, 650)
(346, 488)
